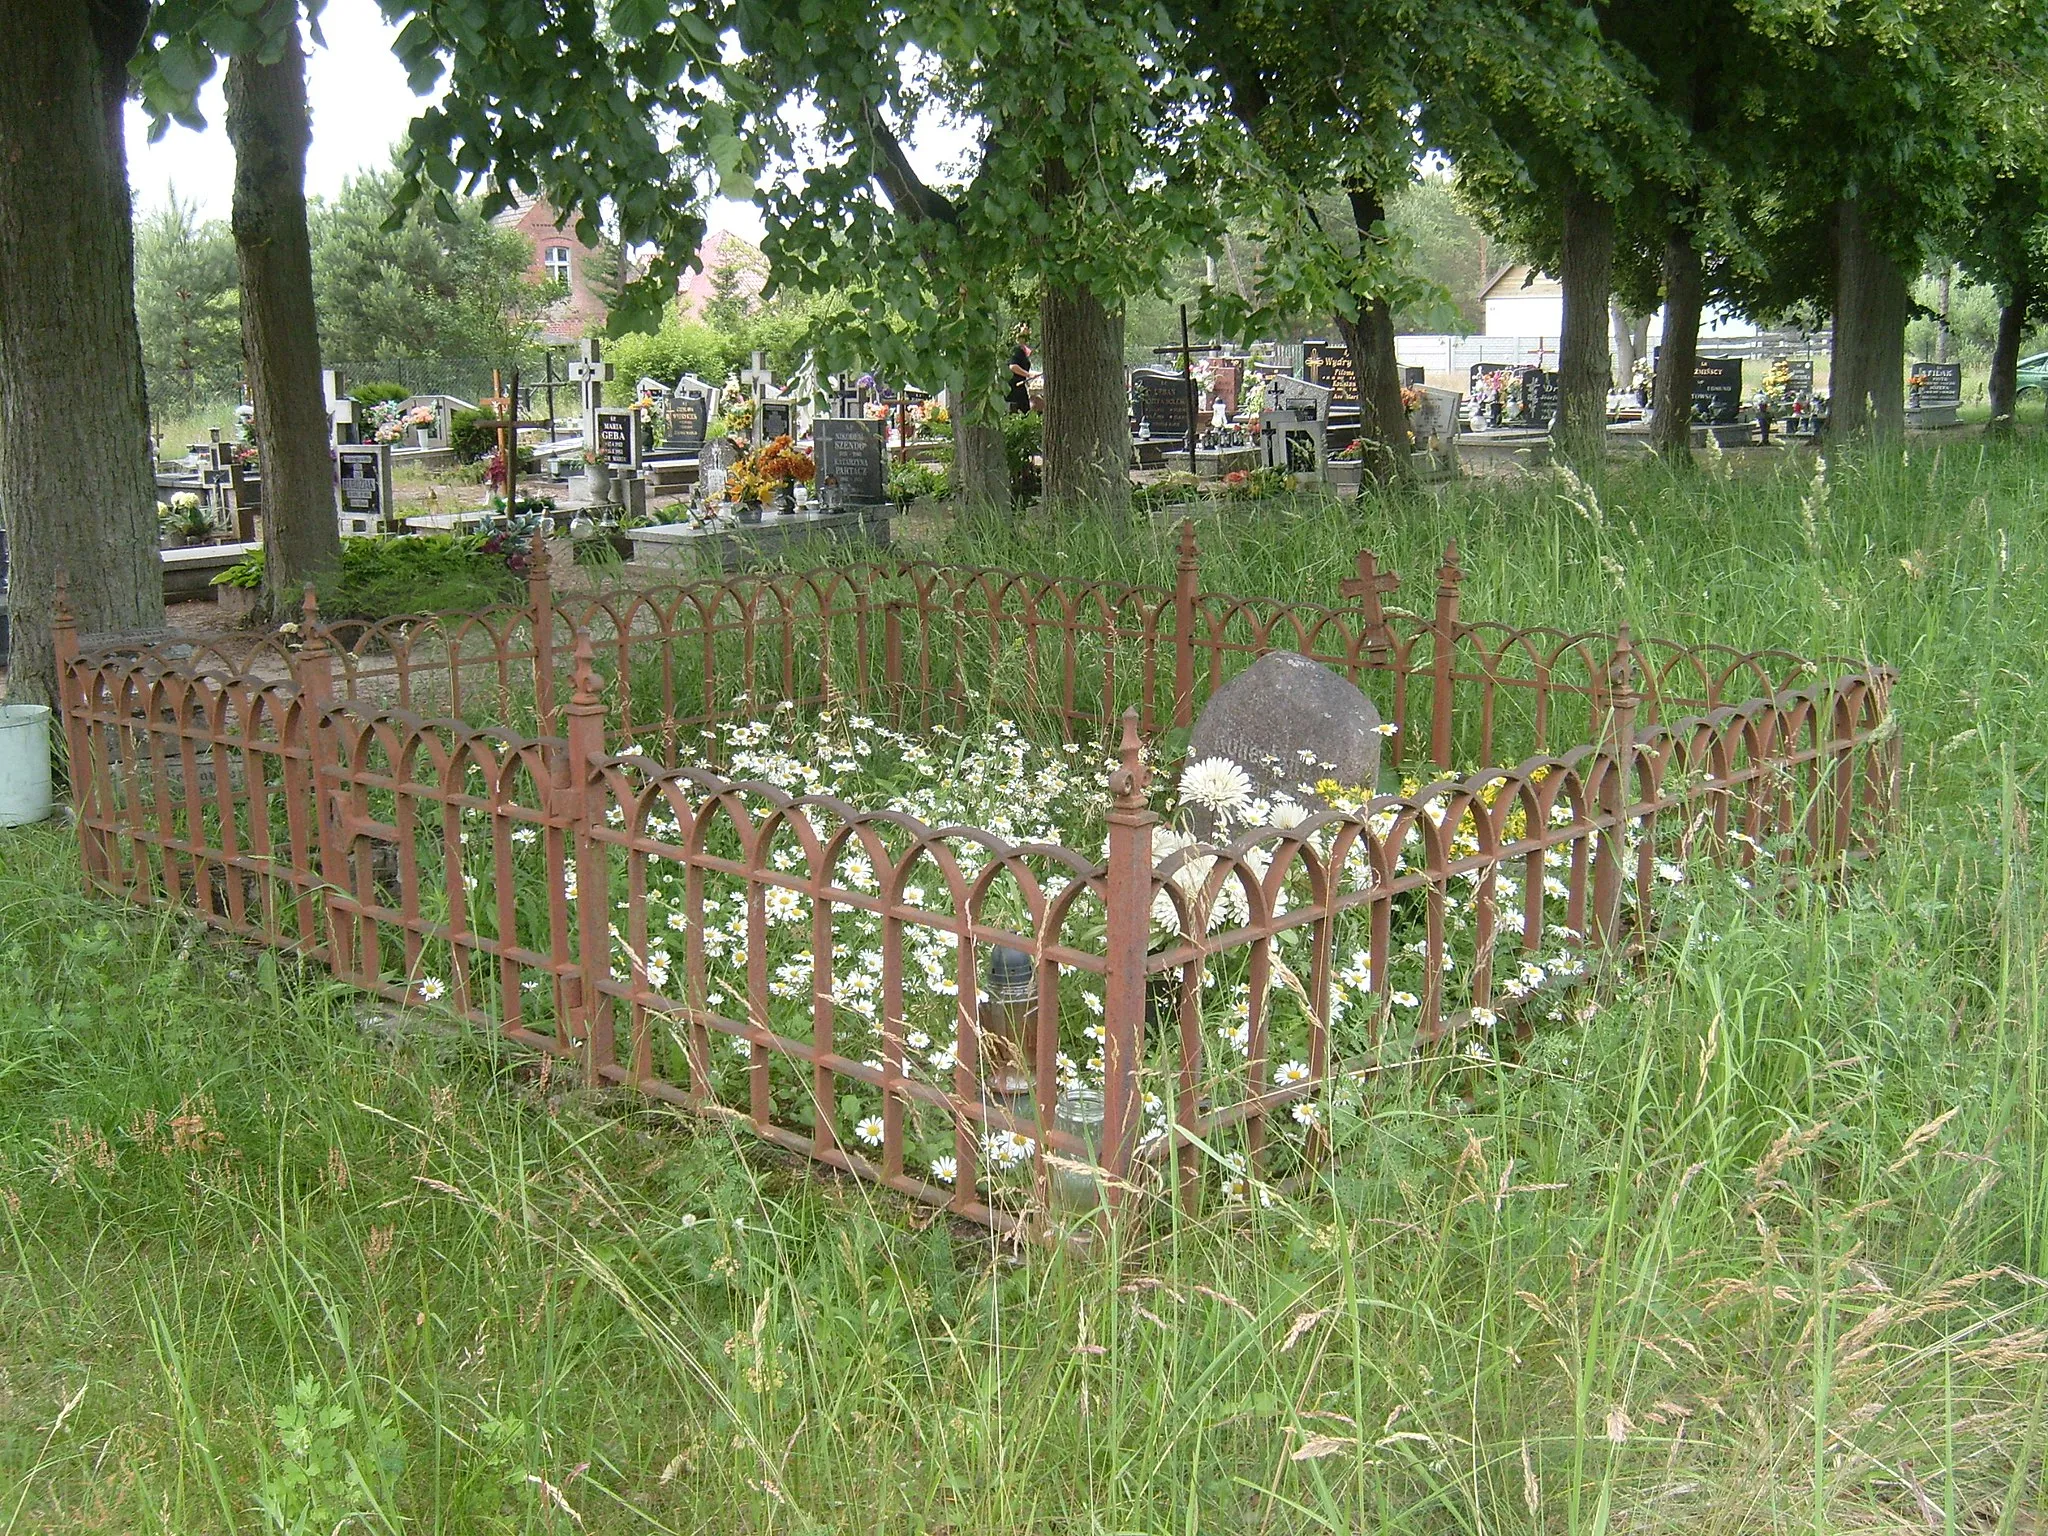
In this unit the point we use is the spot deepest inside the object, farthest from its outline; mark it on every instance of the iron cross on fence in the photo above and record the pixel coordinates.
(1187, 374)
(1368, 586)
(505, 417)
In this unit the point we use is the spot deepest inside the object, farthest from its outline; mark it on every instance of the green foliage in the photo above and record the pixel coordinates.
(468, 435)
(378, 392)
(245, 575)
(186, 307)
(422, 287)
(1023, 442)
(907, 482)
(679, 347)
(412, 573)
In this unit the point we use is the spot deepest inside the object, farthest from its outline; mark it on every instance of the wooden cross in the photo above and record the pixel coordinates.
(505, 418)
(1367, 586)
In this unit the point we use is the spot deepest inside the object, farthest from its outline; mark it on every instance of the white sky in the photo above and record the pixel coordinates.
(361, 106)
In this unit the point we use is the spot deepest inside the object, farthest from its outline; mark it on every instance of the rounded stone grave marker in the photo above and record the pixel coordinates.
(1289, 722)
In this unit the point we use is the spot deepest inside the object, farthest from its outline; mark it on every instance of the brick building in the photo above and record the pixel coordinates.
(559, 256)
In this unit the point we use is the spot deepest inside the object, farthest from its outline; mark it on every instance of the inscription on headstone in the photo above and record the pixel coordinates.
(1799, 376)
(1944, 384)
(1329, 364)
(776, 420)
(1290, 723)
(683, 428)
(1717, 390)
(850, 460)
(1161, 401)
(618, 438)
(363, 482)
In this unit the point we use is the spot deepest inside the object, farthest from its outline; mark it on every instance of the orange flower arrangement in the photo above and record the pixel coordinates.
(783, 460)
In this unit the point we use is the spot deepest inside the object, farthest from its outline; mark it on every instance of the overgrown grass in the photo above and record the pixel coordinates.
(1754, 1247)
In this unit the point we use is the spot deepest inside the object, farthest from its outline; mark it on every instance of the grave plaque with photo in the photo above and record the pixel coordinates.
(1717, 390)
(1161, 401)
(363, 482)
(618, 438)
(1799, 376)
(776, 420)
(683, 429)
(850, 461)
(1329, 364)
(1944, 384)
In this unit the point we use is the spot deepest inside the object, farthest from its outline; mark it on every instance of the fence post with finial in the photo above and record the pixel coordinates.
(1128, 915)
(579, 790)
(1616, 766)
(540, 595)
(1444, 645)
(1187, 585)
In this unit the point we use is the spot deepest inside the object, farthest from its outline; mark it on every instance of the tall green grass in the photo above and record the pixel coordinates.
(1753, 1247)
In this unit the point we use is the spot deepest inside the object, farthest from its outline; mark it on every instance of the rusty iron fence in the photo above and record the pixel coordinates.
(510, 816)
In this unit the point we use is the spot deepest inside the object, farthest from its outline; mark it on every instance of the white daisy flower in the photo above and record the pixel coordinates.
(1388, 728)
(945, 1169)
(431, 989)
(869, 1131)
(1407, 1000)
(1292, 1072)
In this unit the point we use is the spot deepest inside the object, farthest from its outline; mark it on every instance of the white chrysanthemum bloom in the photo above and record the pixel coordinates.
(1217, 785)
(525, 836)
(782, 905)
(1288, 813)
(869, 1131)
(945, 1169)
(1485, 1018)
(1307, 1114)
(1291, 1072)
(431, 989)
(1407, 1000)
(1666, 870)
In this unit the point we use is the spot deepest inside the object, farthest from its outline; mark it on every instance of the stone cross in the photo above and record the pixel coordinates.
(341, 410)
(589, 372)
(758, 379)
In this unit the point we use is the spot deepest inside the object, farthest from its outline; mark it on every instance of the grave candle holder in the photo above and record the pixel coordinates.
(1075, 1190)
(1009, 1028)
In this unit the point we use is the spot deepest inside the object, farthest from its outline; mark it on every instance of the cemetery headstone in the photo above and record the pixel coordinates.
(1412, 377)
(1329, 364)
(618, 438)
(683, 427)
(1799, 376)
(1161, 401)
(1434, 425)
(1229, 376)
(777, 419)
(1717, 390)
(850, 461)
(1540, 386)
(1289, 723)
(363, 486)
(1298, 415)
(1943, 386)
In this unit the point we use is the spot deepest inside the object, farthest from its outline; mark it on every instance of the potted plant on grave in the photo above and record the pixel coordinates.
(598, 476)
(1914, 384)
(1344, 470)
(186, 521)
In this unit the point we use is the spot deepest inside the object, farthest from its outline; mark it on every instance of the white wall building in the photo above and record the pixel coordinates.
(1521, 301)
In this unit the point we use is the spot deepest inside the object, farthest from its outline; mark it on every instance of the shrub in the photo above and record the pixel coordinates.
(679, 347)
(378, 392)
(411, 573)
(910, 481)
(1023, 439)
(468, 435)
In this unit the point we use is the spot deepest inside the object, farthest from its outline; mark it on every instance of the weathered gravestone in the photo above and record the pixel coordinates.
(1290, 723)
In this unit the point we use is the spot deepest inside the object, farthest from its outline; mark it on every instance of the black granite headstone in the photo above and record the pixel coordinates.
(1161, 400)
(1944, 384)
(1716, 390)
(1329, 364)
(684, 428)
(850, 459)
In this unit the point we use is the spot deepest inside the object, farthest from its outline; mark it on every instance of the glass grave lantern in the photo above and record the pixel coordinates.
(1009, 1029)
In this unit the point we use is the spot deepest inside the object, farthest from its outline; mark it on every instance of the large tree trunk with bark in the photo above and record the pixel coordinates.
(1087, 404)
(981, 467)
(77, 488)
(1382, 422)
(2005, 356)
(1585, 372)
(268, 123)
(1867, 367)
(1678, 353)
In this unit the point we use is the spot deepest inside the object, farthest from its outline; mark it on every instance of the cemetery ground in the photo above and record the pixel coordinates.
(1754, 1243)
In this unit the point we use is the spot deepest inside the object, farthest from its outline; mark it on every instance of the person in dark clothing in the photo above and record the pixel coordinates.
(1020, 377)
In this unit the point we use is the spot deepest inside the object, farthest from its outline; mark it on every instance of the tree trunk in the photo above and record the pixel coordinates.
(1584, 369)
(981, 467)
(1382, 423)
(269, 127)
(1087, 405)
(77, 487)
(1678, 354)
(2005, 357)
(1629, 335)
(1867, 367)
